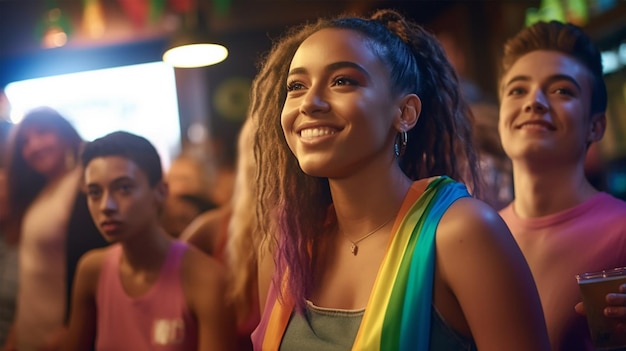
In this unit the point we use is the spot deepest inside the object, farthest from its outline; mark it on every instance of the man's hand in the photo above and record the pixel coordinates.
(616, 307)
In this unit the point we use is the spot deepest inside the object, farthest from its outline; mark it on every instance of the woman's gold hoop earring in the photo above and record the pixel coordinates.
(399, 148)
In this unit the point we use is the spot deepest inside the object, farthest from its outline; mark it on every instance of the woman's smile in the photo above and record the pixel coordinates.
(317, 132)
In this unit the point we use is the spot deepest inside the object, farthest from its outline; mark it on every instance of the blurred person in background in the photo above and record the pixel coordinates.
(195, 172)
(181, 210)
(553, 104)
(208, 231)
(228, 234)
(49, 217)
(189, 173)
(146, 291)
(495, 166)
(8, 246)
(189, 192)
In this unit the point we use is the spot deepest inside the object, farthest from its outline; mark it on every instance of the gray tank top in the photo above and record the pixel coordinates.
(323, 329)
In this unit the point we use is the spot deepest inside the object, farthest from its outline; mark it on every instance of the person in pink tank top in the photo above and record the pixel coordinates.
(146, 291)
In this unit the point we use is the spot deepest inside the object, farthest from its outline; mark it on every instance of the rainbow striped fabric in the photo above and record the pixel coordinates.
(397, 316)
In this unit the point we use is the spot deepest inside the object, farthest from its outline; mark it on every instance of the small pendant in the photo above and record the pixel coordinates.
(354, 249)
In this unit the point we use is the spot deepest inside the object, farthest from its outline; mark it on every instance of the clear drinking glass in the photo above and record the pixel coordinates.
(594, 286)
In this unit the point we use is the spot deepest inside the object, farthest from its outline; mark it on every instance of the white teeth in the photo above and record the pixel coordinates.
(316, 132)
(534, 126)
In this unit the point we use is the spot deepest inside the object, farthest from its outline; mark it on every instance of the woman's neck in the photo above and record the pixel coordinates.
(362, 204)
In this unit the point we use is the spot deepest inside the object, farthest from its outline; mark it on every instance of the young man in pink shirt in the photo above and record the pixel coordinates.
(146, 291)
(553, 103)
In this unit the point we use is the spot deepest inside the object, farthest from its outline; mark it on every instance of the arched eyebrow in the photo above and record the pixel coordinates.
(566, 77)
(115, 182)
(332, 67)
(518, 78)
(551, 79)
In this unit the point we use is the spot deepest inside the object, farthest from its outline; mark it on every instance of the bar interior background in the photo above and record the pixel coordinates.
(212, 100)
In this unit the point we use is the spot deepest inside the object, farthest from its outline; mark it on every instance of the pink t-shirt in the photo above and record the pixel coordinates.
(158, 320)
(588, 237)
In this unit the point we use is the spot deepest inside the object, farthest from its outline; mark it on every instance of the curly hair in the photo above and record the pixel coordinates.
(242, 239)
(293, 207)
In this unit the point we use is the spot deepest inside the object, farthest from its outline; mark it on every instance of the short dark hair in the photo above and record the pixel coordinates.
(133, 147)
(568, 39)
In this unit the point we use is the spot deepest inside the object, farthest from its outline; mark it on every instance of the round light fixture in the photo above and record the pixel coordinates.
(195, 55)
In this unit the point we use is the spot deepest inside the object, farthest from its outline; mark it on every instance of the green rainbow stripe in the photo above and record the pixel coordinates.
(398, 314)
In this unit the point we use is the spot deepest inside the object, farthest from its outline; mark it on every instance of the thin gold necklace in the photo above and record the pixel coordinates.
(354, 247)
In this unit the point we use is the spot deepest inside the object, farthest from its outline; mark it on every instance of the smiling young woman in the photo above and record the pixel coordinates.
(50, 217)
(372, 147)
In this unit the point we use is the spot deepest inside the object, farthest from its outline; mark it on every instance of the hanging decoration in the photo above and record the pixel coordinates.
(137, 11)
(574, 11)
(142, 12)
(578, 12)
(54, 28)
(156, 11)
(221, 7)
(182, 6)
(93, 22)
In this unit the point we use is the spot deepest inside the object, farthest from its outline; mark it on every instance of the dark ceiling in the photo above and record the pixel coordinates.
(21, 23)
(21, 19)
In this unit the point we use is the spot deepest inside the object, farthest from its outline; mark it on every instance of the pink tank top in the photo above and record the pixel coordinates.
(158, 320)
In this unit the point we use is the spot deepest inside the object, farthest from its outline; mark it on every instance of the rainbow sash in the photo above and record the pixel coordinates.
(397, 316)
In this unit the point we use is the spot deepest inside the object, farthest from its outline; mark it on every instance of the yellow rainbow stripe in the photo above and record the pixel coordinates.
(397, 316)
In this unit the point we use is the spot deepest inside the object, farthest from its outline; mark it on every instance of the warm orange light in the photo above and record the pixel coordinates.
(54, 37)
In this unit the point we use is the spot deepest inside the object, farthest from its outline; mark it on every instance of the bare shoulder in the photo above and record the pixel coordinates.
(200, 268)
(470, 219)
(469, 228)
(472, 237)
(483, 276)
(90, 265)
(203, 232)
(208, 221)
(92, 259)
